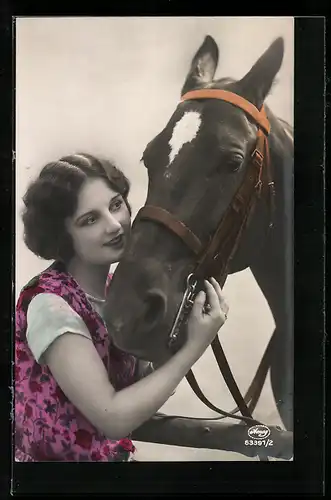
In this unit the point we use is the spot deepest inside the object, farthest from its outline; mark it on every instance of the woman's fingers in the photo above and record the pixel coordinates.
(213, 299)
(199, 303)
(218, 290)
(220, 294)
(221, 297)
(212, 302)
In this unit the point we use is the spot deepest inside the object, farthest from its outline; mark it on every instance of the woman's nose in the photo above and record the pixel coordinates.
(112, 224)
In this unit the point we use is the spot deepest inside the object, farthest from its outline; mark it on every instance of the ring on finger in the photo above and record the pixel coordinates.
(207, 308)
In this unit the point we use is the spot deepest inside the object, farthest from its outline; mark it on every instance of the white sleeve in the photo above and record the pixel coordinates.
(48, 317)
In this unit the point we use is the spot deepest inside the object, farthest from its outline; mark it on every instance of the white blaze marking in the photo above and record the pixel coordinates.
(185, 130)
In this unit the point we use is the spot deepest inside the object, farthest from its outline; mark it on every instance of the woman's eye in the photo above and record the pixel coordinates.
(90, 220)
(116, 205)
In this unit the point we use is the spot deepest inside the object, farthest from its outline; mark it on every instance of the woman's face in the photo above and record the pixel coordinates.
(100, 227)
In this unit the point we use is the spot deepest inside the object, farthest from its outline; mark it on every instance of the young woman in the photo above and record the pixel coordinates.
(77, 397)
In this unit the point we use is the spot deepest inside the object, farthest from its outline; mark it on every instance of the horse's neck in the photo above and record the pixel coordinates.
(273, 270)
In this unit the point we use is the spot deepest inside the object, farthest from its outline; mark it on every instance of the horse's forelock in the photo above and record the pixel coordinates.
(221, 83)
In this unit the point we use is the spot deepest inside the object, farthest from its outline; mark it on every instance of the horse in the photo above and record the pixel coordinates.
(222, 156)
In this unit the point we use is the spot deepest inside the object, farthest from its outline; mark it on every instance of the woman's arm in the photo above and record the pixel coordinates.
(78, 369)
(81, 374)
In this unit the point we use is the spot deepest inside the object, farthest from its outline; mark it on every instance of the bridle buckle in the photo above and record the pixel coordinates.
(257, 158)
(258, 187)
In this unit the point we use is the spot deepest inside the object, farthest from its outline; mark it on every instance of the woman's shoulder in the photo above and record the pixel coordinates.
(47, 281)
(53, 310)
(45, 277)
(48, 317)
(48, 302)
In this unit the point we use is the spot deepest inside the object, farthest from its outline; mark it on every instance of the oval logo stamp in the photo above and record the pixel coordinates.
(259, 432)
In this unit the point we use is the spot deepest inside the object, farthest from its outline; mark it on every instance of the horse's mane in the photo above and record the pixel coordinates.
(286, 125)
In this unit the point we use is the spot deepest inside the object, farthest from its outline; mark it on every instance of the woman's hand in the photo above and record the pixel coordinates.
(203, 326)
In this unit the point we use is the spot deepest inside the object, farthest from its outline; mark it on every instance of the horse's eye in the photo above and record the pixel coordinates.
(235, 162)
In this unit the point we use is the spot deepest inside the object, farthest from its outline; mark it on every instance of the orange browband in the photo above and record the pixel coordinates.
(259, 117)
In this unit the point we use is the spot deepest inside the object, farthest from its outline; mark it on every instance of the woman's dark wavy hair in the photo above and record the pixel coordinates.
(52, 197)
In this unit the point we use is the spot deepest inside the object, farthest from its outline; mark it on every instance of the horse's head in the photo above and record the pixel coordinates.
(196, 165)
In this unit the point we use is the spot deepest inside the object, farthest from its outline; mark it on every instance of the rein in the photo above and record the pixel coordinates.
(214, 257)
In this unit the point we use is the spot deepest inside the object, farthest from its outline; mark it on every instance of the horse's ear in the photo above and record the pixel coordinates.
(258, 81)
(203, 65)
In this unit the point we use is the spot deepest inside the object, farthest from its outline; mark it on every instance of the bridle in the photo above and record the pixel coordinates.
(214, 257)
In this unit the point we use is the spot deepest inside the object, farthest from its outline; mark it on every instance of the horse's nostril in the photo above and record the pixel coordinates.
(156, 304)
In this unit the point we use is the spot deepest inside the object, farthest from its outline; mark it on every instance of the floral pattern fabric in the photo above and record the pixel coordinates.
(48, 427)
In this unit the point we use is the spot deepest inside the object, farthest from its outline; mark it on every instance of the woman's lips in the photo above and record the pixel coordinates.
(115, 242)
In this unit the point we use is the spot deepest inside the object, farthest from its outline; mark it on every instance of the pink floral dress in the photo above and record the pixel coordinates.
(48, 427)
